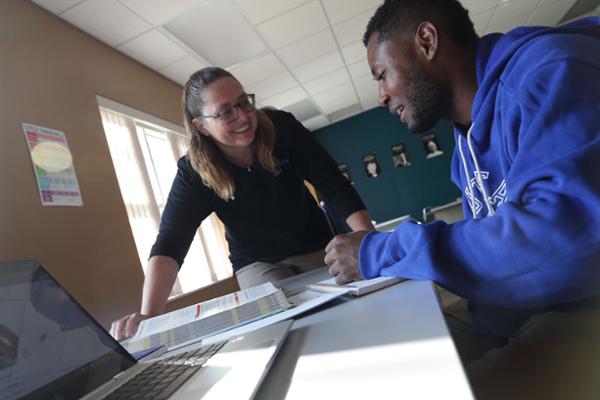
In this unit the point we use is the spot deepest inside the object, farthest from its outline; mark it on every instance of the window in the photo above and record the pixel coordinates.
(145, 150)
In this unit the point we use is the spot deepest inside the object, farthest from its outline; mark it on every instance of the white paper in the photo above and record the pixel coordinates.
(194, 312)
(303, 301)
(358, 284)
(358, 287)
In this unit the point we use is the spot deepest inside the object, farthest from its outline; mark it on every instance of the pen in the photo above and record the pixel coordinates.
(328, 218)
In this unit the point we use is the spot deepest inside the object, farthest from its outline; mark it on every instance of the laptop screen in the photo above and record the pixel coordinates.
(50, 347)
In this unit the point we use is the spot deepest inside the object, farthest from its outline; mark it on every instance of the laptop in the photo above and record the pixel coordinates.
(51, 348)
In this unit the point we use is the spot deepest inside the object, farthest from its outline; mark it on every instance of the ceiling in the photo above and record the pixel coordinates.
(304, 56)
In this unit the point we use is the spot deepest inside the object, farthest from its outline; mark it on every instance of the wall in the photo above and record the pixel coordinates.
(50, 75)
(396, 191)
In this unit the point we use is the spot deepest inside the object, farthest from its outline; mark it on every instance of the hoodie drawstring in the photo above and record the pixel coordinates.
(483, 190)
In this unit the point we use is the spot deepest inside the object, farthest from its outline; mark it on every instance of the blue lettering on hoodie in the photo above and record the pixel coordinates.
(529, 168)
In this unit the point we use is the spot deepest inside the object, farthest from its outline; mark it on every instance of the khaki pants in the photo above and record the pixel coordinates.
(555, 355)
(261, 272)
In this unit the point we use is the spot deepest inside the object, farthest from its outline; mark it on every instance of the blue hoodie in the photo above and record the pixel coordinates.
(529, 169)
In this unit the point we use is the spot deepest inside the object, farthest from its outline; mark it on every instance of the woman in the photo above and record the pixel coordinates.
(249, 167)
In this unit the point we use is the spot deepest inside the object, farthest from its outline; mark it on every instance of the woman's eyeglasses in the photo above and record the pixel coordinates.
(229, 113)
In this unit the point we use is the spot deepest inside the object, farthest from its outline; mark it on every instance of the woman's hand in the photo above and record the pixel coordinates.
(127, 326)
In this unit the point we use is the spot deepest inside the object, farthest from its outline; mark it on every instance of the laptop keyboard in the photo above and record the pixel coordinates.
(164, 377)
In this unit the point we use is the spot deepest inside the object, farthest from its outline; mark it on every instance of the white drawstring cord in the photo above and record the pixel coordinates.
(486, 198)
(464, 163)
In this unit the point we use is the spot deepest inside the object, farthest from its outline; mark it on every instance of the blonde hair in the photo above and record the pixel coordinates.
(205, 156)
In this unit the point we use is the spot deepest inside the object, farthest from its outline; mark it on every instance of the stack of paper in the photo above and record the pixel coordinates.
(357, 288)
(190, 324)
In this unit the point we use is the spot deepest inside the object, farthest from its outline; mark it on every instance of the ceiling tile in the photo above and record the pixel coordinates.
(353, 29)
(510, 24)
(285, 99)
(366, 83)
(368, 101)
(258, 11)
(272, 86)
(345, 113)
(107, 20)
(257, 69)
(203, 30)
(307, 49)
(367, 92)
(303, 110)
(294, 25)
(546, 2)
(56, 6)
(318, 67)
(354, 52)
(481, 21)
(337, 98)
(478, 6)
(581, 9)
(340, 10)
(509, 9)
(550, 14)
(360, 68)
(326, 82)
(157, 12)
(316, 122)
(153, 49)
(181, 70)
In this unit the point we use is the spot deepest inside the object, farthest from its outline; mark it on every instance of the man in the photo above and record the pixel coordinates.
(525, 108)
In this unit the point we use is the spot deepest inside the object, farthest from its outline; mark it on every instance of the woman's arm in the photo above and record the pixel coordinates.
(360, 221)
(160, 277)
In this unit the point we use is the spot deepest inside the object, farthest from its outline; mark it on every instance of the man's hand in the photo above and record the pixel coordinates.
(127, 326)
(342, 257)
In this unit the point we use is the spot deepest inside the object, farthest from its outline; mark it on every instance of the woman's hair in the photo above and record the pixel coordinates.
(205, 156)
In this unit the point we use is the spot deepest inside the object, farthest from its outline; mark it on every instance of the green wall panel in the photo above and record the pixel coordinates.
(396, 191)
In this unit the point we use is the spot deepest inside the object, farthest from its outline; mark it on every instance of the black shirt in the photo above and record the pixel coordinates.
(272, 215)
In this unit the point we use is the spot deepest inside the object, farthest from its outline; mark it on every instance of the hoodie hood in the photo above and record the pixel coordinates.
(494, 51)
(502, 63)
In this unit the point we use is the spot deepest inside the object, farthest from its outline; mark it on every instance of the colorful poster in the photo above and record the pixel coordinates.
(53, 166)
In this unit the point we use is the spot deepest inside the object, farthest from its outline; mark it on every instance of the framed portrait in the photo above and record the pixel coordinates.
(431, 145)
(400, 155)
(372, 168)
(343, 168)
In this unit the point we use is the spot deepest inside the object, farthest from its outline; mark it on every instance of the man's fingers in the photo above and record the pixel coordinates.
(329, 259)
(333, 271)
(358, 277)
(342, 279)
(332, 243)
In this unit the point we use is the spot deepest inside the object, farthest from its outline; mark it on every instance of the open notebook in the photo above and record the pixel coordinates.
(198, 321)
(356, 288)
(51, 348)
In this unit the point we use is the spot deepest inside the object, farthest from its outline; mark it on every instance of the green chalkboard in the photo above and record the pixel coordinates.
(395, 191)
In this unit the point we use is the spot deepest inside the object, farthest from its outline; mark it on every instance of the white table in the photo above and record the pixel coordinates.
(389, 344)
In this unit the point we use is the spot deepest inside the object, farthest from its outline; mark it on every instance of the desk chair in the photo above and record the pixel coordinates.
(448, 213)
(388, 226)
